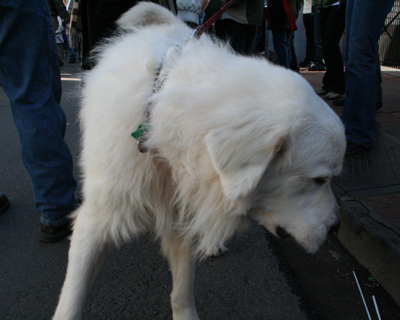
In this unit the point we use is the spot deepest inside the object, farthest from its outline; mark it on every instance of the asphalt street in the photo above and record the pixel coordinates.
(258, 278)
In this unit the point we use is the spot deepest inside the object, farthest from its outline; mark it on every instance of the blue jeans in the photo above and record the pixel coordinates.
(72, 54)
(281, 40)
(364, 22)
(30, 76)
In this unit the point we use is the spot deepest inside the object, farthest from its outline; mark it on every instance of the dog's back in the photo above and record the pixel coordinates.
(144, 15)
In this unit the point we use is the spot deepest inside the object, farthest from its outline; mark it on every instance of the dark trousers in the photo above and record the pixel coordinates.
(332, 21)
(308, 21)
(240, 35)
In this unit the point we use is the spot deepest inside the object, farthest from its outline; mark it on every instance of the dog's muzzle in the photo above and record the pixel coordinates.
(335, 228)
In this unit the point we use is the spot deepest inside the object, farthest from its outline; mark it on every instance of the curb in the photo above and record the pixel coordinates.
(375, 245)
(390, 71)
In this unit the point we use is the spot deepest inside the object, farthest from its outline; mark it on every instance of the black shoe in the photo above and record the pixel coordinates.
(353, 148)
(317, 67)
(305, 64)
(4, 203)
(71, 60)
(295, 69)
(339, 102)
(54, 234)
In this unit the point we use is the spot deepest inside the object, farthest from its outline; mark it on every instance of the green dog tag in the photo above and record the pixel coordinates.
(140, 131)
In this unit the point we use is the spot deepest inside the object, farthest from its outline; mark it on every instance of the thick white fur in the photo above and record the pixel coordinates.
(231, 138)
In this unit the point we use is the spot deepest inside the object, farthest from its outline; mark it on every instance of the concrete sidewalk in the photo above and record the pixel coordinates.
(368, 190)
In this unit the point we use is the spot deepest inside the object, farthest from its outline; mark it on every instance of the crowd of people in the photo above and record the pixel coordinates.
(30, 71)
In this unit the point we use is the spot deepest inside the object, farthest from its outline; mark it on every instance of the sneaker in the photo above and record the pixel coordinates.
(353, 148)
(321, 91)
(50, 234)
(332, 95)
(4, 203)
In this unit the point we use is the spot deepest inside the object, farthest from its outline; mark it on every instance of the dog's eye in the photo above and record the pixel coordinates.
(320, 180)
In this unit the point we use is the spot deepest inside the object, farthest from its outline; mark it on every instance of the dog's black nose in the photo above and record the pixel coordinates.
(335, 228)
(282, 232)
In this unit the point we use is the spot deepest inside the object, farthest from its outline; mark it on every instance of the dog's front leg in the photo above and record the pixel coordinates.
(86, 254)
(182, 263)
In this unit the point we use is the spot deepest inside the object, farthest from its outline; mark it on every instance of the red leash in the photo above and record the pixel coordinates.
(204, 27)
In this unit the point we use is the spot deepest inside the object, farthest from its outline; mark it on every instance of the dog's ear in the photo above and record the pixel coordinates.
(240, 157)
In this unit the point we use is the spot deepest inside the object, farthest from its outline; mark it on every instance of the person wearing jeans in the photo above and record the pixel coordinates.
(30, 76)
(281, 28)
(364, 22)
(281, 41)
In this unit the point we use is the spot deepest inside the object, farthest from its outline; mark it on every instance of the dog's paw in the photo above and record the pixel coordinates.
(215, 251)
(185, 314)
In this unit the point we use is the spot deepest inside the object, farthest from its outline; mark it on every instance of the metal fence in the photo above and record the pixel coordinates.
(389, 43)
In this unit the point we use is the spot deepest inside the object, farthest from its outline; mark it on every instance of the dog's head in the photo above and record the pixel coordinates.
(282, 169)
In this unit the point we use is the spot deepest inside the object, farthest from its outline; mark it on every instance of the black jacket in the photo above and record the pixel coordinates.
(57, 8)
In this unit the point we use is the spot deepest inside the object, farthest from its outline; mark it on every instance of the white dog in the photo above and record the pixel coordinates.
(230, 138)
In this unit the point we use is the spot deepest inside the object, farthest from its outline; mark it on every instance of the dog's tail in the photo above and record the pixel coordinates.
(145, 14)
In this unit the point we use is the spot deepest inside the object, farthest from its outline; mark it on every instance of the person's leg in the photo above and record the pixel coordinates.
(323, 20)
(281, 40)
(364, 22)
(308, 21)
(293, 57)
(334, 22)
(30, 76)
(319, 55)
(232, 31)
(259, 38)
(250, 36)
(379, 99)
(72, 56)
(239, 35)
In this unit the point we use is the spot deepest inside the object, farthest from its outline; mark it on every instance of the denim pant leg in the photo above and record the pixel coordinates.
(364, 22)
(30, 76)
(281, 40)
